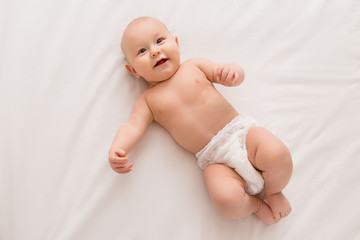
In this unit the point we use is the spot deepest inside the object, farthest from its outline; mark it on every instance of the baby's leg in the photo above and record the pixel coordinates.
(268, 154)
(226, 189)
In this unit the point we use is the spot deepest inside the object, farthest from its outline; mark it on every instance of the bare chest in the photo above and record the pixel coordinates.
(184, 91)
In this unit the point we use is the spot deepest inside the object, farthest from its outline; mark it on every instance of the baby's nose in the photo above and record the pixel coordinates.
(154, 52)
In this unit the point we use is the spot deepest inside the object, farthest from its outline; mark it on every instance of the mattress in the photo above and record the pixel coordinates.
(64, 92)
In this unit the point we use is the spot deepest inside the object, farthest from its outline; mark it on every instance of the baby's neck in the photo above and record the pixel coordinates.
(153, 84)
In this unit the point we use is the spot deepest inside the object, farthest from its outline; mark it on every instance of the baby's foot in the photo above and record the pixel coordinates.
(279, 204)
(264, 213)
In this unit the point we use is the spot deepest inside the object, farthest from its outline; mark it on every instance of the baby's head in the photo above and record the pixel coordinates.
(150, 50)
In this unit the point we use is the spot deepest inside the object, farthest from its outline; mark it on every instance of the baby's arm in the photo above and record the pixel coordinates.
(225, 74)
(128, 135)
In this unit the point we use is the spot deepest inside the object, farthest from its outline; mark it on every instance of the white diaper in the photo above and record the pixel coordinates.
(229, 148)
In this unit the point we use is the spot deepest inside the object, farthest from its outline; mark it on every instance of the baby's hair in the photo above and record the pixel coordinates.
(136, 20)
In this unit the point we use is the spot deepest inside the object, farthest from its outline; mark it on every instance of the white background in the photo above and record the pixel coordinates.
(64, 92)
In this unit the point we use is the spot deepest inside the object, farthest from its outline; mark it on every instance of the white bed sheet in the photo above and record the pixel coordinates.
(64, 92)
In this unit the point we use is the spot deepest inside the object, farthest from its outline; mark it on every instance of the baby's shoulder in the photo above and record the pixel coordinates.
(194, 61)
(151, 91)
(202, 64)
(143, 96)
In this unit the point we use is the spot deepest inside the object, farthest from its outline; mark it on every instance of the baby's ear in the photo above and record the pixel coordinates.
(132, 70)
(177, 42)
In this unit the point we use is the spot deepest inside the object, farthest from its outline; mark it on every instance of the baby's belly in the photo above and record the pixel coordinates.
(194, 131)
(195, 118)
(192, 139)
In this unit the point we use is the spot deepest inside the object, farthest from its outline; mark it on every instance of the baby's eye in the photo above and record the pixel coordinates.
(160, 40)
(142, 50)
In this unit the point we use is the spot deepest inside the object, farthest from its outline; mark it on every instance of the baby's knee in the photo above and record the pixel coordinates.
(280, 156)
(231, 203)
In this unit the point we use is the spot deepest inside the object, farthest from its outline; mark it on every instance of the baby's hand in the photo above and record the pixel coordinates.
(118, 161)
(227, 76)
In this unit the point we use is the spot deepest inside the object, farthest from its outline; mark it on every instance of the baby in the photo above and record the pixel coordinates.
(239, 158)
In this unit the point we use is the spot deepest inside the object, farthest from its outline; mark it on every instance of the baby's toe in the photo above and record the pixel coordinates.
(286, 213)
(277, 216)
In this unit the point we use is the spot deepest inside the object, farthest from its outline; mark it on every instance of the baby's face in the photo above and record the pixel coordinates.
(152, 52)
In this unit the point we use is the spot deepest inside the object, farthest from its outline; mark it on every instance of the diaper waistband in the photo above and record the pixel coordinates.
(238, 122)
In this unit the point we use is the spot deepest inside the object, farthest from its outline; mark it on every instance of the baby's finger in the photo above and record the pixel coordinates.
(124, 169)
(230, 76)
(225, 73)
(218, 71)
(119, 160)
(218, 74)
(120, 164)
(236, 79)
(120, 153)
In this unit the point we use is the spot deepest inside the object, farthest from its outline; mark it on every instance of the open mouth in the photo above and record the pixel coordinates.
(161, 62)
